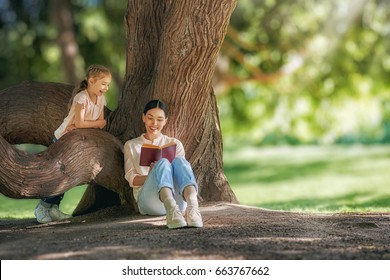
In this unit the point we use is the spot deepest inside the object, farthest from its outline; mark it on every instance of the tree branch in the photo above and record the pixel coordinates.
(79, 157)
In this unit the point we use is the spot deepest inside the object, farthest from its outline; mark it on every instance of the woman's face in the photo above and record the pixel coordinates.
(154, 121)
(100, 85)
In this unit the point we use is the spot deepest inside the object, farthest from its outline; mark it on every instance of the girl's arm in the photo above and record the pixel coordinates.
(101, 117)
(80, 122)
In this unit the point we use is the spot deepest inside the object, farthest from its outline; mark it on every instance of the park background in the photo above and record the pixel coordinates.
(302, 90)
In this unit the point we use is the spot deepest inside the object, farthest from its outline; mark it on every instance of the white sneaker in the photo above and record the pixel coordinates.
(56, 214)
(175, 218)
(42, 214)
(193, 217)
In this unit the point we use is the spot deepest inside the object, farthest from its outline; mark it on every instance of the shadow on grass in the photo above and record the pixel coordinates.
(349, 201)
(340, 178)
(272, 171)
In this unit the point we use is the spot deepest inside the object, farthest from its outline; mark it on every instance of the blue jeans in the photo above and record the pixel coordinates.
(176, 176)
(53, 199)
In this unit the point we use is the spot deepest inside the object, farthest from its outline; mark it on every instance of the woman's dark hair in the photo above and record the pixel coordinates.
(156, 104)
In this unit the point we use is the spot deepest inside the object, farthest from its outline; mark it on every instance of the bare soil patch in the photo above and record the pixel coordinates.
(230, 232)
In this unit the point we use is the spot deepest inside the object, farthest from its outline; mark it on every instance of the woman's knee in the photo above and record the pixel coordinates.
(163, 162)
(162, 165)
(180, 161)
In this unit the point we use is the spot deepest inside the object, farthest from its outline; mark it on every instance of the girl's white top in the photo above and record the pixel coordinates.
(132, 151)
(92, 111)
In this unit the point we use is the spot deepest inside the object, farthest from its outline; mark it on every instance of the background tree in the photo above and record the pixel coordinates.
(61, 15)
(171, 54)
(306, 72)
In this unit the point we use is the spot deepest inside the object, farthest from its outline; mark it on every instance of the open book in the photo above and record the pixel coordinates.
(151, 153)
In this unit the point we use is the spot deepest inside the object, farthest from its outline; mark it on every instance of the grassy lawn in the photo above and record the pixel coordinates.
(24, 208)
(312, 179)
(306, 179)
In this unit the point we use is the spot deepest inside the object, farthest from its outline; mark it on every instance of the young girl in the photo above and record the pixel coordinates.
(86, 111)
(163, 188)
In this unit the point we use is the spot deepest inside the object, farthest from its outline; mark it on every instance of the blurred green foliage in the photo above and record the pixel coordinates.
(305, 71)
(311, 72)
(30, 49)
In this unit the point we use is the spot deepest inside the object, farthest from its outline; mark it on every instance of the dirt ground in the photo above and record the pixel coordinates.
(229, 232)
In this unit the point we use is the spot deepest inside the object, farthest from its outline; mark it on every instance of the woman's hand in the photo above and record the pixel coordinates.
(152, 165)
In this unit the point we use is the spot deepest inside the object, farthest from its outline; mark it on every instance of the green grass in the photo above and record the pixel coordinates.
(311, 179)
(24, 208)
(302, 178)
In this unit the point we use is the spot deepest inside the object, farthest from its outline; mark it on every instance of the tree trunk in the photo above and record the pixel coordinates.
(171, 55)
(61, 16)
(172, 48)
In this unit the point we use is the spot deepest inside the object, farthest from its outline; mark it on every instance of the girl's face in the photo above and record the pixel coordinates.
(154, 121)
(99, 85)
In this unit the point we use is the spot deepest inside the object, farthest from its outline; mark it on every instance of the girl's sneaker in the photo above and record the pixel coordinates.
(56, 214)
(42, 214)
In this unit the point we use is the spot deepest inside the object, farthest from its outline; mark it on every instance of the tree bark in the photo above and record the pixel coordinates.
(171, 55)
(31, 111)
(172, 48)
(193, 35)
(79, 157)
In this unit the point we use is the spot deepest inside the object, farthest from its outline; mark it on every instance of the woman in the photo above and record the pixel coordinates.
(163, 188)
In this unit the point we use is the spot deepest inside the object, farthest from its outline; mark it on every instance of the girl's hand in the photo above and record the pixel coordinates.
(102, 123)
(70, 128)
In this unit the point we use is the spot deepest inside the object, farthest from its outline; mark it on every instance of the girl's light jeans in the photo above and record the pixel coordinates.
(53, 199)
(175, 176)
